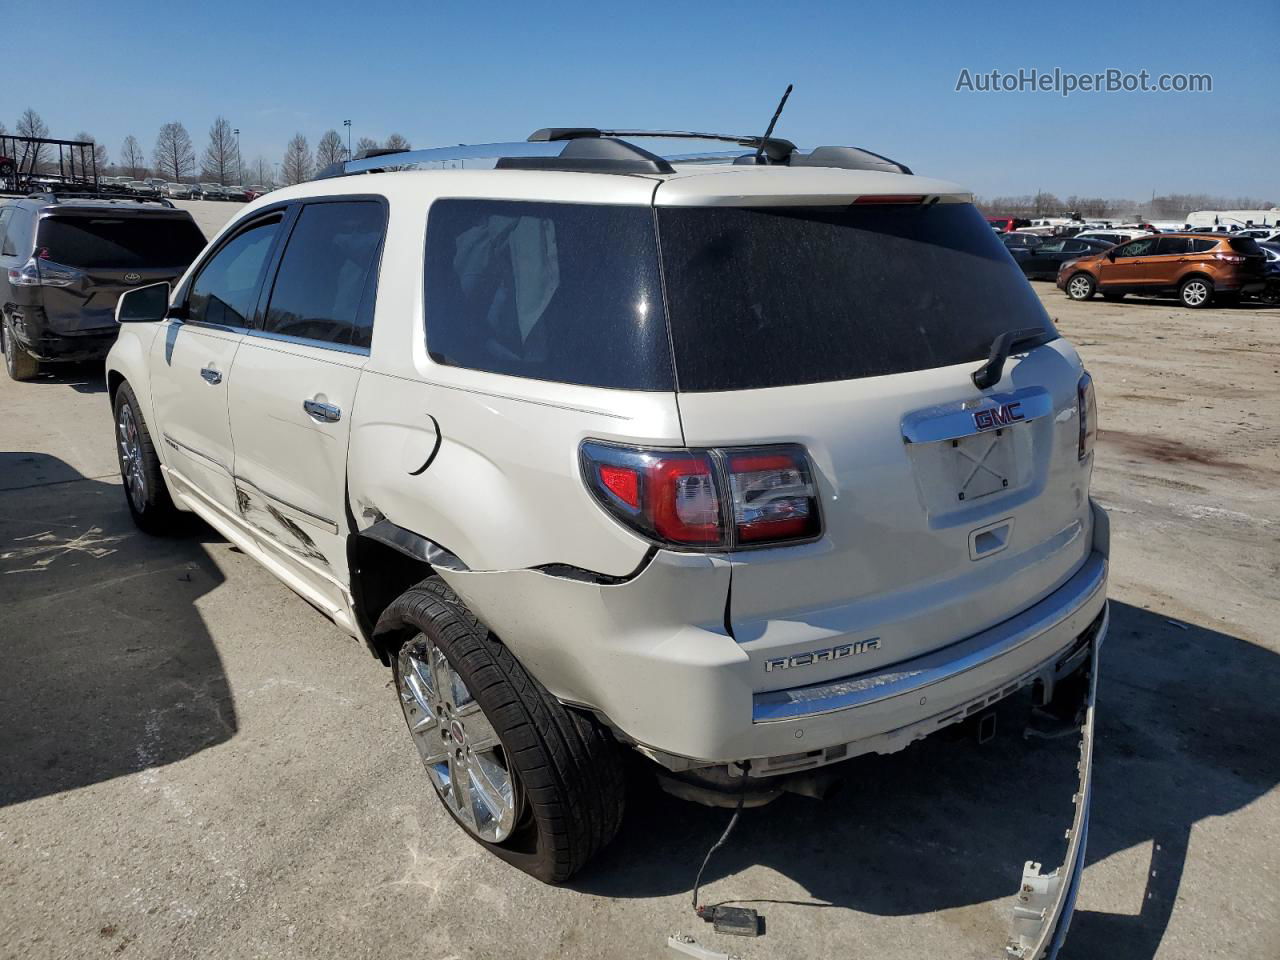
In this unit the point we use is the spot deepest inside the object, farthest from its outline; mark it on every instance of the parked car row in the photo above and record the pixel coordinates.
(159, 187)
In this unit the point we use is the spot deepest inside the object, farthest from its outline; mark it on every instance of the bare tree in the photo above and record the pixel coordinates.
(30, 125)
(259, 171)
(397, 142)
(174, 155)
(132, 159)
(330, 150)
(99, 155)
(297, 165)
(365, 144)
(221, 160)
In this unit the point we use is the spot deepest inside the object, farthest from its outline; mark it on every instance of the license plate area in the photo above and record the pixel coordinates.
(983, 464)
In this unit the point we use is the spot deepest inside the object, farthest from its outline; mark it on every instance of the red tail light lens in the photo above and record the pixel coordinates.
(1087, 405)
(706, 498)
(1229, 257)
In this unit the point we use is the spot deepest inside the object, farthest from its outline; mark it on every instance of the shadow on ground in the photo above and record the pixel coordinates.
(108, 666)
(1186, 721)
(87, 377)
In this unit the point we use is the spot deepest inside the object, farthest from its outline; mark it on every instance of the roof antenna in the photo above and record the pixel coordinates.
(772, 123)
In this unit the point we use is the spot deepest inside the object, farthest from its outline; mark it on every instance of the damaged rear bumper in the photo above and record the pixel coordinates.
(1046, 901)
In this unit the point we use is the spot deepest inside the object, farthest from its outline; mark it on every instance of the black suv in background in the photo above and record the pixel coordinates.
(64, 261)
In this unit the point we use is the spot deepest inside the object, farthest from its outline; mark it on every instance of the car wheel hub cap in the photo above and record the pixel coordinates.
(131, 457)
(458, 744)
(1195, 293)
(1079, 288)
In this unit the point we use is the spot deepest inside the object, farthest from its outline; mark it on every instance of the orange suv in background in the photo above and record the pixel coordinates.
(1197, 267)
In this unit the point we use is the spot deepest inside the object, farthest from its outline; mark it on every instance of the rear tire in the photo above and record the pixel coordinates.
(562, 768)
(19, 364)
(1081, 286)
(1196, 293)
(145, 489)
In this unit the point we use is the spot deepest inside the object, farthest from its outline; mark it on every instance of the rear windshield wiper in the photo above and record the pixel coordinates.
(989, 374)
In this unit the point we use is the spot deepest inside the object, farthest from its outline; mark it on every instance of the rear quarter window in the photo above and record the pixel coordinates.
(549, 291)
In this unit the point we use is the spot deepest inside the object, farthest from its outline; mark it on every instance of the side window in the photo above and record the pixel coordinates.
(6, 213)
(324, 287)
(1203, 246)
(1074, 246)
(17, 234)
(1171, 246)
(1053, 246)
(226, 288)
(1138, 248)
(567, 292)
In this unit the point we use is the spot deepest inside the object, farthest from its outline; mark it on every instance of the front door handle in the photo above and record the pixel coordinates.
(324, 412)
(210, 375)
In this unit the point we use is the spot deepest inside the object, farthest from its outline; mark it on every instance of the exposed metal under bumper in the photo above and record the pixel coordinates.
(912, 676)
(1046, 902)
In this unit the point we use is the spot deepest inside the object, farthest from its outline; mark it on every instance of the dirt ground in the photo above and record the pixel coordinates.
(195, 763)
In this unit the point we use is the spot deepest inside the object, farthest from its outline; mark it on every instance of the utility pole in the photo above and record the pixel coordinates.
(239, 172)
(347, 124)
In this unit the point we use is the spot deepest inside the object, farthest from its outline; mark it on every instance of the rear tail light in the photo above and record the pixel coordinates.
(41, 273)
(1229, 257)
(706, 499)
(1087, 405)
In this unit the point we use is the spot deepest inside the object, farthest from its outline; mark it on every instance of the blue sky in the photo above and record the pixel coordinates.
(880, 76)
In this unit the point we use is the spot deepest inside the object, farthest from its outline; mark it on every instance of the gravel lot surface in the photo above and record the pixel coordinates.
(195, 763)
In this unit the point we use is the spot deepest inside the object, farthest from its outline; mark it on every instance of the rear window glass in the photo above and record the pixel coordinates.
(120, 241)
(551, 291)
(1244, 245)
(767, 297)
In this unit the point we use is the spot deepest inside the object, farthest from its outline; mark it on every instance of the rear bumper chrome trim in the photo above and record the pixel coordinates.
(912, 676)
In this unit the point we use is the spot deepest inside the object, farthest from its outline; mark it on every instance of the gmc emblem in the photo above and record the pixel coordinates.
(1000, 416)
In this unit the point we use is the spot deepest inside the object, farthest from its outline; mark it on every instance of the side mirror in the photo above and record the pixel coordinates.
(147, 304)
(1111, 255)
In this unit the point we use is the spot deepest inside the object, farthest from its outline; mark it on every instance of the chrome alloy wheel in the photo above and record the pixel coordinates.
(131, 457)
(1195, 293)
(459, 747)
(1078, 288)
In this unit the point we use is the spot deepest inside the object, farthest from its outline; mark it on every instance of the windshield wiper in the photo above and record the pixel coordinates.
(989, 374)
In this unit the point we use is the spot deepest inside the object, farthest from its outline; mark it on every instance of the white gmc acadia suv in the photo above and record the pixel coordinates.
(752, 465)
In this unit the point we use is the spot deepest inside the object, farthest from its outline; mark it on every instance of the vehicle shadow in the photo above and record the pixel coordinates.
(1186, 719)
(108, 666)
(87, 377)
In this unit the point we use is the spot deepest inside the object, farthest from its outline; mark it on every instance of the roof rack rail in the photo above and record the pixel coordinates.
(592, 150)
(57, 196)
(775, 150)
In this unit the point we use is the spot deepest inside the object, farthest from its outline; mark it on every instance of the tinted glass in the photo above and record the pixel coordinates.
(1052, 246)
(1244, 245)
(1203, 246)
(552, 291)
(226, 289)
(5, 214)
(17, 235)
(1075, 246)
(122, 242)
(320, 288)
(773, 296)
(1138, 248)
(1174, 245)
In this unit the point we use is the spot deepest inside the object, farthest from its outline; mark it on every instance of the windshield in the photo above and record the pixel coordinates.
(766, 297)
(120, 242)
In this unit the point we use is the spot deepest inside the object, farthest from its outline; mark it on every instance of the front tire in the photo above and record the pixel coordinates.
(19, 364)
(144, 486)
(1081, 287)
(535, 783)
(1196, 293)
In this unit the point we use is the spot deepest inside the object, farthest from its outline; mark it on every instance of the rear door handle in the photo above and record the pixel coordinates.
(210, 375)
(324, 412)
